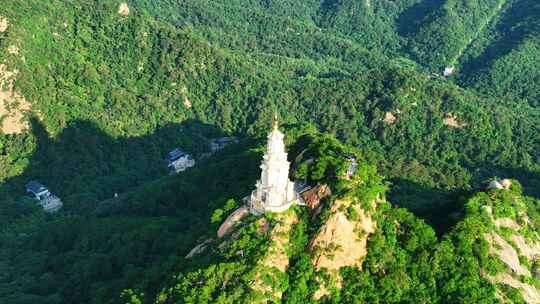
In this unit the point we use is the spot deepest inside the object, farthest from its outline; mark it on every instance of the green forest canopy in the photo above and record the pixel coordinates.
(108, 95)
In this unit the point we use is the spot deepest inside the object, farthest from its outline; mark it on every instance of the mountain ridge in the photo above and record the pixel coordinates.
(463, 265)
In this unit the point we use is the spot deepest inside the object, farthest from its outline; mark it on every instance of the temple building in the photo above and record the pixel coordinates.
(180, 161)
(274, 191)
(48, 201)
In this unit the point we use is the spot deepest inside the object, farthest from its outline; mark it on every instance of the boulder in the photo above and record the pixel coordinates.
(313, 196)
(448, 71)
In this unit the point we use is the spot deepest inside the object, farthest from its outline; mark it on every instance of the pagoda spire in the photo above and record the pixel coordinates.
(274, 191)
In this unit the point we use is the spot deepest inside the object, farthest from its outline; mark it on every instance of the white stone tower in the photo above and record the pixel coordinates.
(274, 191)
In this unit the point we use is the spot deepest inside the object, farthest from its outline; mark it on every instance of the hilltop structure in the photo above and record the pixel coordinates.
(274, 191)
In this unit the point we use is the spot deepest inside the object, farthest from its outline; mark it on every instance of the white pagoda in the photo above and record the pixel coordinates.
(274, 191)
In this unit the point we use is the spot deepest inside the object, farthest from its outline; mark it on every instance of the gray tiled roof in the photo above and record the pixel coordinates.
(35, 187)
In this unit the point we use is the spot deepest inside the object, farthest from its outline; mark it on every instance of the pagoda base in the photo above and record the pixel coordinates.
(275, 209)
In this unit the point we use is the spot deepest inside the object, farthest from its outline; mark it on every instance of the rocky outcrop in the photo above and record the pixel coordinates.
(504, 184)
(389, 118)
(495, 185)
(529, 293)
(187, 103)
(511, 250)
(451, 120)
(4, 24)
(341, 241)
(198, 249)
(313, 197)
(448, 71)
(232, 220)
(506, 253)
(123, 9)
(13, 106)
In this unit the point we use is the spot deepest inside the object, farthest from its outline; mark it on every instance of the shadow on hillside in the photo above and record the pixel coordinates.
(441, 209)
(529, 180)
(83, 163)
(518, 23)
(411, 20)
(101, 244)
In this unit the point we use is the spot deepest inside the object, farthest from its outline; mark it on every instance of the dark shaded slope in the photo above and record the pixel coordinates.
(445, 33)
(92, 249)
(504, 61)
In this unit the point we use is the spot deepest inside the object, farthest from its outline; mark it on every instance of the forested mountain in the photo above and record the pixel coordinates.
(105, 90)
(488, 257)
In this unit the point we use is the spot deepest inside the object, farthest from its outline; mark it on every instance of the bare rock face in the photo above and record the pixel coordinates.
(13, 106)
(513, 241)
(4, 24)
(123, 9)
(451, 120)
(511, 250)
(341, 241)
(506, 253)
(389, 118)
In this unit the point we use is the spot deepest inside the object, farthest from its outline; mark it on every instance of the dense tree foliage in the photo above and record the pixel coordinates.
(330, 81)
(112, 94)
(503, 61)
(88, 254)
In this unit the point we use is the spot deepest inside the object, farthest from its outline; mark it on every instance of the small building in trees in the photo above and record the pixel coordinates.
(448, 71)
(353, 164)
(48, 201)
(179, 160)
(217, 144)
